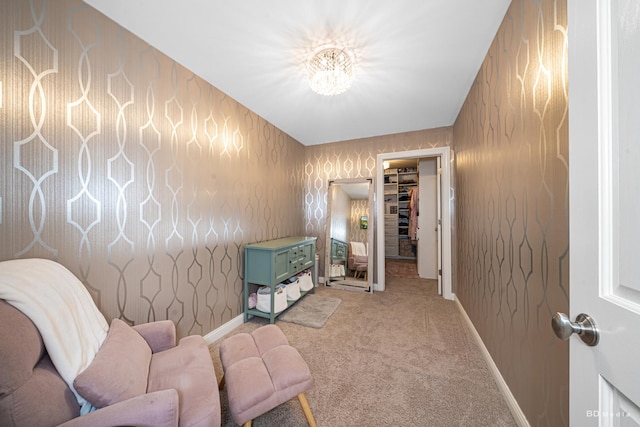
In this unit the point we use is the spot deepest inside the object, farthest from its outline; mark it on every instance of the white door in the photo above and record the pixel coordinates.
(604, 188)
(427, 233)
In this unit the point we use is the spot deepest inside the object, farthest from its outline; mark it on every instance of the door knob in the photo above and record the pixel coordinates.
(584, 326)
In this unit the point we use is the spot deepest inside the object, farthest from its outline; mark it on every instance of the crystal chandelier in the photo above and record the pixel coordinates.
(330, 70)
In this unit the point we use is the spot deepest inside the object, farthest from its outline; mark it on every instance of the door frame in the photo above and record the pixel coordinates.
(445, 160)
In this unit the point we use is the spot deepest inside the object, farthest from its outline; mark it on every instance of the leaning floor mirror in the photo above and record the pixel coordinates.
(349, 245)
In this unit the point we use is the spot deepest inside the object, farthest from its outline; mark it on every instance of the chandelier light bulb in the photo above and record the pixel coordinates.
(330, 70)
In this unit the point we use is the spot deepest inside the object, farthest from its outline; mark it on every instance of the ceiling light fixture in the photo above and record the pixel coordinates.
(330, 70)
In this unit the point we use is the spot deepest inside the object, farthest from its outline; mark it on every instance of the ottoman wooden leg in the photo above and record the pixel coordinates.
(307, 410)
(247, 424)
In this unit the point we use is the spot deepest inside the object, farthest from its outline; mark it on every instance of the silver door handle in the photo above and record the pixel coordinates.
(584, 326)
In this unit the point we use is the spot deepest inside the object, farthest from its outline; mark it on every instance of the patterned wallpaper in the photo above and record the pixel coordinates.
(358, 209)
(141, 178)
(353, 159)
(511, 142)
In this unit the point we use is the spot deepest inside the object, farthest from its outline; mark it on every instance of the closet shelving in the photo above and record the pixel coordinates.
(398, 183)
(391, 248)
(407, 180)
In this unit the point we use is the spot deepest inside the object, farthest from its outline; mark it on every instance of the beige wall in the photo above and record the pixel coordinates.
(141, 178)
(353, 159)
(511, 143)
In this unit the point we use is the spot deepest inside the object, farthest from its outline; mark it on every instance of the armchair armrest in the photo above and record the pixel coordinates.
(357, 260)
(360, 259)
(160, 335)
(157, 409)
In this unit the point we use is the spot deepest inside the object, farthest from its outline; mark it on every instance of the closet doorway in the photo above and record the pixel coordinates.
(435, 166)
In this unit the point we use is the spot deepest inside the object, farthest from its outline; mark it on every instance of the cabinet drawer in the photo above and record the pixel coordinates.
(300, 258)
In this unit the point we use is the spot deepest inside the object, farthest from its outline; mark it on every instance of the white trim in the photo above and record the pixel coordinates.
(445, 154)
(517, 413)
(223, 330)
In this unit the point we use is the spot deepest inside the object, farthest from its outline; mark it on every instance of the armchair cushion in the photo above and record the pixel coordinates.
(188, 368)
(120, 369)
(160, 335)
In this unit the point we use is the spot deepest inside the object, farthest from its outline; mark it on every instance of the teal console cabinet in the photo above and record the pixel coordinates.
(272, 262)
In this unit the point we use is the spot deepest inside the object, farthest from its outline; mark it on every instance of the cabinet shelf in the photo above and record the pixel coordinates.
(398, 183)
(259, 313)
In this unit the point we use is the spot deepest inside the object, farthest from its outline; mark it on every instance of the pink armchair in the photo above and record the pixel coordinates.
(138, 377)
(357, 259)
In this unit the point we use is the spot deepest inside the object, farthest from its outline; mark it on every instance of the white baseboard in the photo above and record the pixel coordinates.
(223, 330)
(517, 413)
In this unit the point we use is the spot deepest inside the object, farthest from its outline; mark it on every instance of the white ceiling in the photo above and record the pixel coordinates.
(415, 59)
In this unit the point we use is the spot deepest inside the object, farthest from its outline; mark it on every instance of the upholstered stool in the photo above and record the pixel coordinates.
(261, 371)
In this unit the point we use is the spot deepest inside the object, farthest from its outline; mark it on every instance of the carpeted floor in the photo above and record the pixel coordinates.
(406, 268)
(402, 357)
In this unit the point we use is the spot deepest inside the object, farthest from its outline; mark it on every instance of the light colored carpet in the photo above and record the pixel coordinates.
(402, 357)
(312, 311)
(405, 268)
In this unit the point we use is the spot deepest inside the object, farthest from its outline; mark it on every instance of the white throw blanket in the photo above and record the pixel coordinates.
(358, 248)
(72, 327)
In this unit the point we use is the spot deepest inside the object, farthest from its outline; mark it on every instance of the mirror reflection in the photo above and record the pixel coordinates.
(349, 257)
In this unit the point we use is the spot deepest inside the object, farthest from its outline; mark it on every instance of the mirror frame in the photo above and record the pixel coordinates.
(370, 228)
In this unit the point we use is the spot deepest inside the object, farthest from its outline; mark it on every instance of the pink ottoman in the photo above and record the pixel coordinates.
(262, 371)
